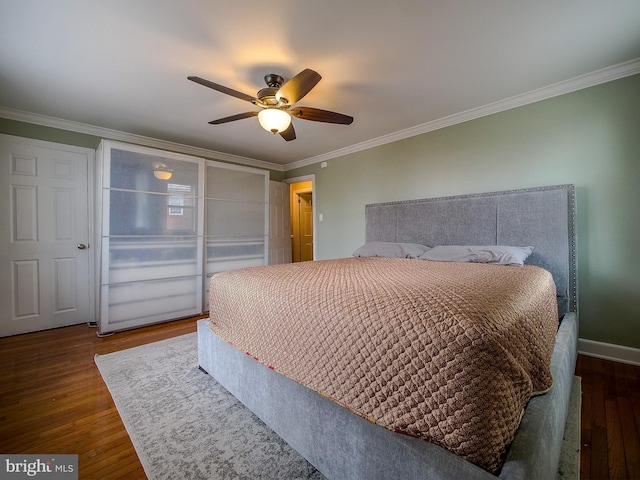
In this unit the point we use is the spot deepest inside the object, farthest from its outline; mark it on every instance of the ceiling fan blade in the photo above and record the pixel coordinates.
(317, 115)
(233, 118)
(298, 86)
(289, 134)
(222, 89)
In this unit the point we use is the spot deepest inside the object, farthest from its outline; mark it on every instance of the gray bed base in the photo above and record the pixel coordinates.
(343, 445)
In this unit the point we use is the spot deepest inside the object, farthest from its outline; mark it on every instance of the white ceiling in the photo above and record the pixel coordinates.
(392, 65)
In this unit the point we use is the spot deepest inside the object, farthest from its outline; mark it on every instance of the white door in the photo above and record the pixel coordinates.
(45, 277)
(279, 223)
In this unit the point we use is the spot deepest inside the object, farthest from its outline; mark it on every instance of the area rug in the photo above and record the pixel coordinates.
(183, 424)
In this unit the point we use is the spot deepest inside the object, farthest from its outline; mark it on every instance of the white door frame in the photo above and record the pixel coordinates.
(312, 178)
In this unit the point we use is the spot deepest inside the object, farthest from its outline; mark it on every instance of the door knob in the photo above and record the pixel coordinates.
(81, 246)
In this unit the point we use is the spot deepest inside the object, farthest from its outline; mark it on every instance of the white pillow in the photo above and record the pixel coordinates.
(390, 250)
(496, 254)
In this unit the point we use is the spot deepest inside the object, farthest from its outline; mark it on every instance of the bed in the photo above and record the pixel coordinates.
(341, 441)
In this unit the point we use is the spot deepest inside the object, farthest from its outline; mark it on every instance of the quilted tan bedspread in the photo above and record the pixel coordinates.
(448, 352)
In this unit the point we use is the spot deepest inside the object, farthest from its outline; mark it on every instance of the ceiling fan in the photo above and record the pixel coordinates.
(277, 102)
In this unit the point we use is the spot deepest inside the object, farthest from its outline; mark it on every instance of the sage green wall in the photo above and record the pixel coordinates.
(29, 130)
(590, 138)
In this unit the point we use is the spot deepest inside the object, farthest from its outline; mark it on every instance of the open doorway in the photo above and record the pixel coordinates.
(301, 221)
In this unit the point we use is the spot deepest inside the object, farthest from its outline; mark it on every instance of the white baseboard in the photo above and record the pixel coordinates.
(609, 351)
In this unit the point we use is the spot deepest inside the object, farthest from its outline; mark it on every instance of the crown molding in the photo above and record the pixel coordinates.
(598, 77)
(142, 140)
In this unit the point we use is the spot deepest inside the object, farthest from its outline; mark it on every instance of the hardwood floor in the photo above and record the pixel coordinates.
(610, 427)
(53, 400)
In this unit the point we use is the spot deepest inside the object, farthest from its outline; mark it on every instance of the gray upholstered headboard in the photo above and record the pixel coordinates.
(541, 217)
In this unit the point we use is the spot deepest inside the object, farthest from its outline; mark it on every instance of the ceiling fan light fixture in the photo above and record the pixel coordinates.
(161, 171)
(162, 174)
(274, 120)
(276, 102)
